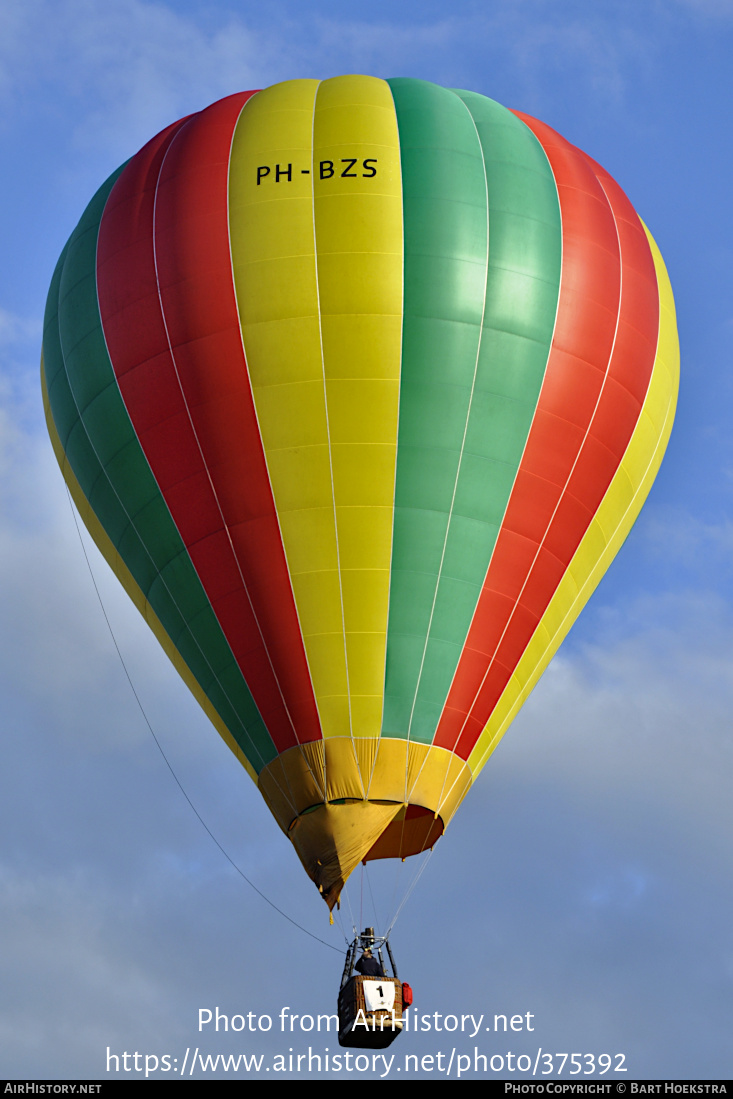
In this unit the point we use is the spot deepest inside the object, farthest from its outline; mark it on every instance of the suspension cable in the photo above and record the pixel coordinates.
(408, 894)
(168, 764)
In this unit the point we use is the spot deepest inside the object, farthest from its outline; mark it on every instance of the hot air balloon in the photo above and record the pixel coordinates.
(359, 386)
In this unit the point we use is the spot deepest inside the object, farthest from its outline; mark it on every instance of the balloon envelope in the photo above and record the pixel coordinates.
(359, 385)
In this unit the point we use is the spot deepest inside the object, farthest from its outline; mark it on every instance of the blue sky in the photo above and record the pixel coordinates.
(587, 878)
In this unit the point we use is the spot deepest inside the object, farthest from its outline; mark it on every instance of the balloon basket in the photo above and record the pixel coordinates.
(370, 1012)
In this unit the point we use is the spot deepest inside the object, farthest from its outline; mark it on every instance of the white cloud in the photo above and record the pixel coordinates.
(519, 44)
(126, 69)
(129, 68)
(678, 537)
(64, 930)
(640, 722)
(16, 330)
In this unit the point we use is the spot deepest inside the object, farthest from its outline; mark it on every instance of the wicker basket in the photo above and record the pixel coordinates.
(356, 1005)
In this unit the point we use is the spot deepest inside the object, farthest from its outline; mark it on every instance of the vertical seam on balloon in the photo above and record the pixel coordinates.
(397, 439)
(299, 745)
(193, 428)
(519, 465)
(267, 468)
(660, 443)
(564, 489)
(320, 342)
(132, 426)
(330, 456)
(173, 599)
(202, 456)
(539, 393)
(201, 452)
(104, 470)
(460, 456)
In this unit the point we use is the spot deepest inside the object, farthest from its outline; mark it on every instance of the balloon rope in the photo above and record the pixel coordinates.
(342, 928)
(346, 896)
(408, 894)
(367, 875)
(226, 855)
(361, 896)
